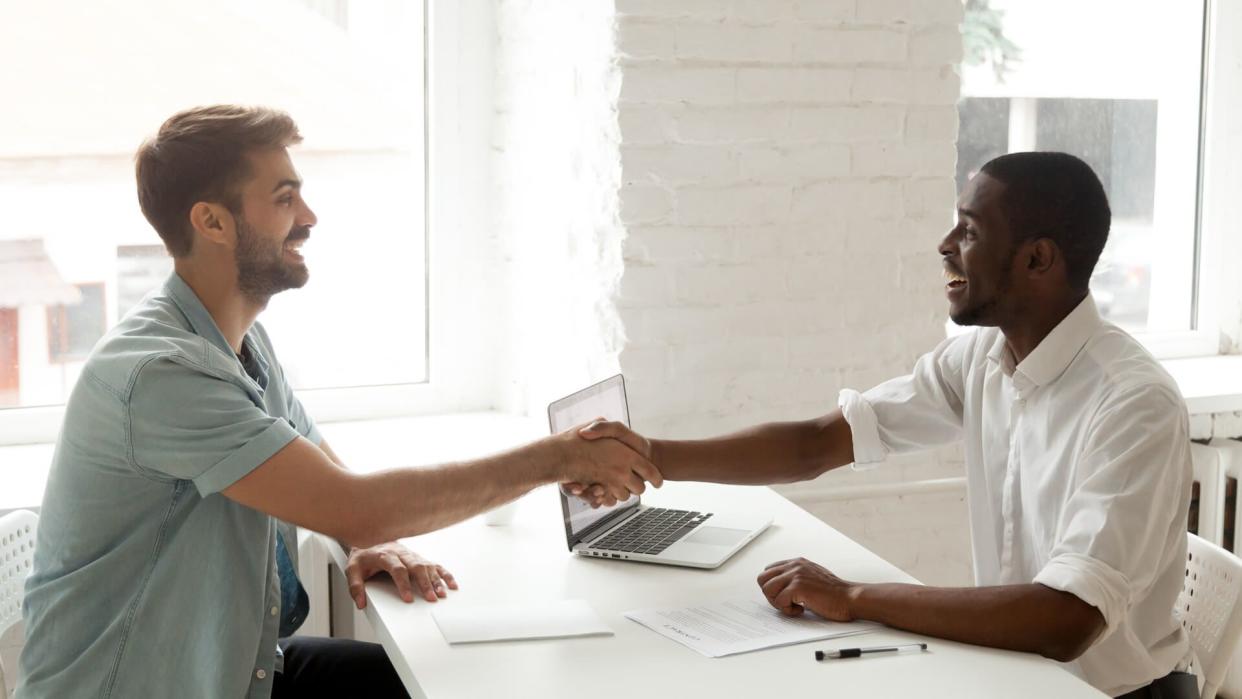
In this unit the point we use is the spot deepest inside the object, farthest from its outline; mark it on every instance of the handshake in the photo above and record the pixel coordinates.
(605, 463)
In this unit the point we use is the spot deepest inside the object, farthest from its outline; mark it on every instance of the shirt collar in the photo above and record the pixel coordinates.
(205, 326)
(1052, 356)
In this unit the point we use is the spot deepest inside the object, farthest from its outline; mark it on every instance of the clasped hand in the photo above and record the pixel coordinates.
(608, 463)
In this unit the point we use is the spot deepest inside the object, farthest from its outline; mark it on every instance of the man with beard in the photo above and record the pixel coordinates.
(163, 565)
(1076, 441)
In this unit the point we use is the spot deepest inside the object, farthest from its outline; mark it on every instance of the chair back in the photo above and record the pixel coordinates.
(17, 539)
(1210, 608)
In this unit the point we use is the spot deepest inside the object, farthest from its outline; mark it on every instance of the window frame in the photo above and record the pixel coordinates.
(1216, 298)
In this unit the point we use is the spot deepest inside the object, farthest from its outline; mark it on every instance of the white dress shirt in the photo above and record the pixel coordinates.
(1078, 475)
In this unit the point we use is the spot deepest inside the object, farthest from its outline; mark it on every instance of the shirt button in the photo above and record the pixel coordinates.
(260, 673)
(275, 611)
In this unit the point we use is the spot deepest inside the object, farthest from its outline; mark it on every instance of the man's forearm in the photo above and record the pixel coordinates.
(1030, 618)
(410, 501)
(779, 452)
(325, 448)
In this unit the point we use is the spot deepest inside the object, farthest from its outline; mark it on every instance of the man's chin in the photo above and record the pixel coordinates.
(963, 318)
(300, 275)
(967, 317)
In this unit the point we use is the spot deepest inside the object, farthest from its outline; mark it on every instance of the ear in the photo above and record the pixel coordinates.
(1040, 256)
(213, 222)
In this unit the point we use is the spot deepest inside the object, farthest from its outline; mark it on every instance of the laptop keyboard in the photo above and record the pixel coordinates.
(651, 531)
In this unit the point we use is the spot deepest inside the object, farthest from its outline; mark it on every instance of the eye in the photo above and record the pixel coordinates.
(286, 200)
(970, 233)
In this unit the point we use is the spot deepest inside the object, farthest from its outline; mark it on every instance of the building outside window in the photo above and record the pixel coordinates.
(76, 253)
(73, 329)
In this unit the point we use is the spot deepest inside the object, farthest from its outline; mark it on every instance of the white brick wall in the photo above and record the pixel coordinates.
(787, 169)
(783, 160)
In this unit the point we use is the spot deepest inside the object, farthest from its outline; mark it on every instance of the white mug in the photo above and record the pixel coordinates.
(501, 516)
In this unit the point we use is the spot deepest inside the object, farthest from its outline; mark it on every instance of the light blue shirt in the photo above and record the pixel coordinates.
(147, 581)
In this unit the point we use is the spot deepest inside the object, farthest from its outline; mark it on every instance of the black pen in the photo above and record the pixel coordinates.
(858, 652)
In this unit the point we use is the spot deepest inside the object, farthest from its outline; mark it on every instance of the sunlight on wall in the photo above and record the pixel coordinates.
(556, 145)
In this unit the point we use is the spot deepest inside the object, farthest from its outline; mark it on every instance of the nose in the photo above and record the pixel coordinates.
(306, 216)
(948, 244)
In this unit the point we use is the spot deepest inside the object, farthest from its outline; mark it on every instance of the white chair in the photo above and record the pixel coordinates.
(1210, 608)
(17, 539)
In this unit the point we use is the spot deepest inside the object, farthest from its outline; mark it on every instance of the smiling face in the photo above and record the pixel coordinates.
(979, 256)
(273, 224)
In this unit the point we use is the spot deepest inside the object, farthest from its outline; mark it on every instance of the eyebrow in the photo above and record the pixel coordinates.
(296, 184)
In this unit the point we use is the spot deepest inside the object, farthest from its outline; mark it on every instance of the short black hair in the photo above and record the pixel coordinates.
(1056, 196)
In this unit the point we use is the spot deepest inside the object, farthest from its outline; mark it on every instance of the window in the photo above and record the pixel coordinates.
(139, 269)
(350, 72)
(1083, 76)
(73, 329)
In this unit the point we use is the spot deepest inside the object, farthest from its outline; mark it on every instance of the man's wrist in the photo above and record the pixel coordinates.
(550, 462)
(855, 601)
(656, 447)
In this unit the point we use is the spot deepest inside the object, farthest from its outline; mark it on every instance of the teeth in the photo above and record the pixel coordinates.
(953, 277)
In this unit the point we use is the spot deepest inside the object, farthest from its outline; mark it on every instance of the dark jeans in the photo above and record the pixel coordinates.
(1175, 685)
(337, 668)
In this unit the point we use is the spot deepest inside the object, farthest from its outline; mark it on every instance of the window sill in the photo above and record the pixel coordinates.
(1209, 384)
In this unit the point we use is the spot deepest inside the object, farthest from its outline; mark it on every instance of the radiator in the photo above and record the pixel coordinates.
(1214, 515)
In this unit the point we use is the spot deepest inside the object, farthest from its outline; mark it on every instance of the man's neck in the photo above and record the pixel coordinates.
(1025, 333)
(232, 311)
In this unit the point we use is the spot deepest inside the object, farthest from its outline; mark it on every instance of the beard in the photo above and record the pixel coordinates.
(984, 312)
(262, 270)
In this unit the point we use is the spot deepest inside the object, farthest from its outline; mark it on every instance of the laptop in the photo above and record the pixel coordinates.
(631, 531)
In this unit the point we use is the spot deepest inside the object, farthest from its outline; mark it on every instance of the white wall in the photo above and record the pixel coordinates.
(787, 170)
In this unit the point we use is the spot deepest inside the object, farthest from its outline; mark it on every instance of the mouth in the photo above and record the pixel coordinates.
(293, 248)
(955, 282)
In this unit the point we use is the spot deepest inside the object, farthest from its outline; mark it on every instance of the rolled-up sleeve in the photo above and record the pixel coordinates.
(909, 413)
(185, 423)
(302, 419)
(1126, 513)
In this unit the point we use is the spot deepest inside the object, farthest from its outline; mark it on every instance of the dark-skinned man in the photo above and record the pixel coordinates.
(1076, 441)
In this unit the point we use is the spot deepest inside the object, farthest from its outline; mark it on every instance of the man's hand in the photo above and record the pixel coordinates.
(598, 495)
(614, 468)
(798, 584)
(407, 569)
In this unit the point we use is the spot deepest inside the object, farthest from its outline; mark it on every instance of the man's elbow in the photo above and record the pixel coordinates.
(1080, 630)
(359, 522)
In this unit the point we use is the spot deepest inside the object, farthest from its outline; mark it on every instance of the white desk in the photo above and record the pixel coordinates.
(528, 560)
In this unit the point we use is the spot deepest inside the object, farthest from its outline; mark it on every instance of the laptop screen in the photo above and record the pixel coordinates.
(605, 399)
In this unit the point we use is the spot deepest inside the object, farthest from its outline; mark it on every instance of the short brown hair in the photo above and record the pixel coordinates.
(200, 155)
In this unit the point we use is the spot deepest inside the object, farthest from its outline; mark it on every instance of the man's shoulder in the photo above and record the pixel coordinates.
(970, 347)
(154, 330)
(1126, 369)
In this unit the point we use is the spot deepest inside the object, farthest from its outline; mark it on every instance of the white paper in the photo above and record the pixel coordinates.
(557, 619)
(740, 625)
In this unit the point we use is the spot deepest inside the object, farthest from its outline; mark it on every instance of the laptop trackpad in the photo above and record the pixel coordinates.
(716, 536)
